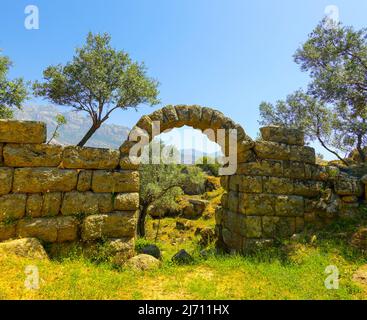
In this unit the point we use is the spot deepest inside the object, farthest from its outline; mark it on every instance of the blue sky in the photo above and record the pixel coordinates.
(226, 54)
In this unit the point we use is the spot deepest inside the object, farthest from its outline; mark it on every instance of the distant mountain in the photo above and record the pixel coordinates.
(190, 156)
(108, 136)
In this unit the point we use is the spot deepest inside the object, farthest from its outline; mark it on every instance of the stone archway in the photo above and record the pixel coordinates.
(208, 120)
(276, 188)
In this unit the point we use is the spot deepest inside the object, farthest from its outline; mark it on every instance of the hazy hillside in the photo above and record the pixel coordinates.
(108, 136)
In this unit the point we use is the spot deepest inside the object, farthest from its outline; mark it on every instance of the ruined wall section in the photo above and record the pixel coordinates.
(279, 189)
(64, 194)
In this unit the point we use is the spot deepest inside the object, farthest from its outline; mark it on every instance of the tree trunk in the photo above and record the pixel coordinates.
(360, 149)
(141, 221)
(89, 134)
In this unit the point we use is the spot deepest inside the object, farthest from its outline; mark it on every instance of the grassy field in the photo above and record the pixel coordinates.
(293, 271)
(290, 270)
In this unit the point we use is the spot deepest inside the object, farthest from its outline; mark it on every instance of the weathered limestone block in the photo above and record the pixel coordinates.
(129, 162)
(171, 116)
(307, 188)
(272, 168)
(303, 154)
(224, 200)
(195, 115)
(121, 249)
(32, 155)
(248, 184)
(112, 225)
(279, 227)
(224, 182)
(256, 204)
(278, 185)
(6, 179)
(252, 226)
(84, 180)
(115, 181)
(232, 221)
(126, 201)
(14, 131)
(317, 172)
(232, 240)
(51, 204)
(348, 186)
(34, 205)
(206, 118)
(86, 203)
(269, 226)
(183, 115)
(145, 123)
(41, 228)
(289, 206)
(27, 247)
(294, 169)
(7, 231)
(12, 206)
(90, 158)
(218, 119)
(233, 201)
(272, 150)
(67, 229)
(282, 135)
(246, 156)
(36, 180)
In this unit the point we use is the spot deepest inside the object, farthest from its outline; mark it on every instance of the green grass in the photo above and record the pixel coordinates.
(268, 274)
(287, 271)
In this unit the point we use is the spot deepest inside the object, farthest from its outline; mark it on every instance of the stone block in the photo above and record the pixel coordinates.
(36, 180)
(272, 150)
(84, 180)
(75, 203)
(6, 179)
(272, 168)
(283, 135)
(7, 231)
(233, 201)
(294, 169)
(12, 206)
(252, 227)
(67, 229)
(126, 201)
(32, 155)
(51, 204)
(14, 131)
(348, 186)
(34, 205)
(308, 188)
(278, 185)
(256, 204)
(302, 154)
(289, 206)
(44, 229)
(113, 225)
(90, 158)
(115, 181)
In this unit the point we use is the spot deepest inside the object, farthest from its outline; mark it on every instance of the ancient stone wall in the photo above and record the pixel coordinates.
(66, 194)
(278, 189)
(59, 194)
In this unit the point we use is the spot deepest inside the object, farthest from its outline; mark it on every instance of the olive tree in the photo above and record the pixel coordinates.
(334, 108)
(12, 92)
(98, 81)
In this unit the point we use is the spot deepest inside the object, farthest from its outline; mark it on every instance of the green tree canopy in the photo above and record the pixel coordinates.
(98, 81)
(12, 92)
(334, 108)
